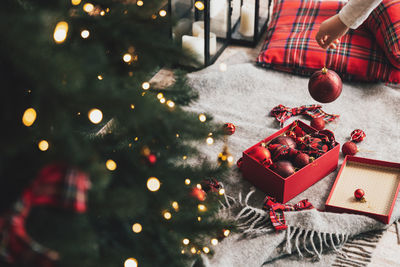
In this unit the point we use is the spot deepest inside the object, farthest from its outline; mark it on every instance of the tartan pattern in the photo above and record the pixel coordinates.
(290, 44)
(384, 23)
(276, 211)
(56, 185)
(282, 113)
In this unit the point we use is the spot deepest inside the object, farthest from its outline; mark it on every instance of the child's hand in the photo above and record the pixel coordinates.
(330, 31)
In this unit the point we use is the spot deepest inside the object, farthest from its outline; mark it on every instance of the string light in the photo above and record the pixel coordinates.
(137, 228)
(29, 117)
(75, 2)
(127, 58)
(95, 115)
(202, 207)
(199, 186)
(162, 100)
(153, 184)
(43, 145)
(199, 5)
(153, 16)
(206, 250)
(230, 159)
(145, 85)
(221, 191)
(210, 140)
(222, 67)
(170, 104)
(162, 13)
(202, 117)
(160, 95)
(131, 262)
(132, 106)
(107, 10)
(199, 218)
(111, 165)
(175, 205)
(60, 32)
(184, 157)
(102, 13)
(177, 135)
(100, 77)
(227, 232)
(85, 34)
(136, 138)
(193, 250)
(187, 181)
(185, 241)
(183, 251)
(214, 241)
(167, 215)
(88, 7)
(139, 3)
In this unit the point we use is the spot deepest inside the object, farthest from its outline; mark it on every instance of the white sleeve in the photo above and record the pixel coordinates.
(355, 12)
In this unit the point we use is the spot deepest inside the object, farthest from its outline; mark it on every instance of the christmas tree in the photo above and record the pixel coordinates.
(78, 109)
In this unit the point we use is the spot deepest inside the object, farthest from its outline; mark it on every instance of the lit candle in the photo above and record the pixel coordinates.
(247, 20)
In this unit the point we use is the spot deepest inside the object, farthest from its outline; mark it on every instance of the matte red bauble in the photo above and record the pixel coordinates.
(359, 194)
(325, 86)
(262, 155)
(284, 140)
(199, 194)
(301, 160)
(349, 148)
(318, 123)
(229, 128)
(284, 168)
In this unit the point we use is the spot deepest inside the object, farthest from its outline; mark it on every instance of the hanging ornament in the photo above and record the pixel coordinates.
(284, 168)
(198, 193)
(262, 155)
(325, 86)
(349, 148)
(318, 123)
(225, 158)
(357, 135)
(229, 128)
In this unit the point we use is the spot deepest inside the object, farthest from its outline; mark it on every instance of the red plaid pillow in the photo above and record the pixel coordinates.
(384, 23)
(290, 44)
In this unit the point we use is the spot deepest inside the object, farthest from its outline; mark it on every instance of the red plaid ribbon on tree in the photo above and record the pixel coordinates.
(282, 113)
(56, 185)
(276, 211)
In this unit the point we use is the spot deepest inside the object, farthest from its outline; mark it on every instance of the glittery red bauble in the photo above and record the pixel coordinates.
(318, 123)
(284, 140)
(349, 148)
(262, 155)
(284, 168)
(229, 128)
(199, 194)
(357, 135)
(359, 194)
(301, 160)
(325, 86)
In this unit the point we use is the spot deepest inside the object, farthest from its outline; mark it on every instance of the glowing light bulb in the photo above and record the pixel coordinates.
(29, 117)
(184, 157)
(199, 218)
(201, 207)
(185, 241)
(230, 159)
(177, 135)
(139, 3)
(85, 34)
(198, 186)
(162, 100)
(95, 115)
(227, 232)
(100, 77)
(111, 165)
(43, 145)
(153, 184)
(75, 2)
(60, 32)
(221, 191)
(160, 95)
(202, 117)
(145, 85)
(199, 5)
(206, 250)
(170, 104)
(162, 13)
(131, 262)
(183, 251)
(210, 140)
(214, 241)
(137, 228)
(132, 106)
(102, 13)
(187, 181)
(167, 215)
(127, 58)
(88, 7)
(193, 250)
(175, 205)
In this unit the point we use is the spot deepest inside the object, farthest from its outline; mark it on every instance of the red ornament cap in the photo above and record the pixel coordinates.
(318, 123)
(359, 194)
(349, 148)
(229, 128)
(357, 135)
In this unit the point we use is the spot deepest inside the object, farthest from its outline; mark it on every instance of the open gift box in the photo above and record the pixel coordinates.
(380, 180)
(286, 188)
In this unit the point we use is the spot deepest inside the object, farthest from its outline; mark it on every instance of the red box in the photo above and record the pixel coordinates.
(284, 189)
(380, 181)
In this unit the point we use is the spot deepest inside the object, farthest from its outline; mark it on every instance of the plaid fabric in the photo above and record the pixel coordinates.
(282, 113)
(290, 44)
(276, 211)
(384, 23)
(56, 185)
(316, 143)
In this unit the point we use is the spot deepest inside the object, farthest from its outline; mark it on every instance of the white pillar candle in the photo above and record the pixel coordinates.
(197, 28)
(247, 20)
(182, 27)
(216, 6)
(219, 20)
(194, 45)
(213, 42)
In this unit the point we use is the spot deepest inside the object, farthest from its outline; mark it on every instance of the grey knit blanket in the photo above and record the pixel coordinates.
(244, 94)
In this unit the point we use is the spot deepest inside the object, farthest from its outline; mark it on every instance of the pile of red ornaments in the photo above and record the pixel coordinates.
(294, 150)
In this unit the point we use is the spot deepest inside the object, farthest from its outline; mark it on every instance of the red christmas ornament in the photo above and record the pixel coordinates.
(284, 168)
(262, 155)
(199, 194)
(359, 194)
(325, 86)
(152, 159)
(349, 148)
(318, 123)
(357, 135)
(301, 160)
(229, 128)
(284, 140)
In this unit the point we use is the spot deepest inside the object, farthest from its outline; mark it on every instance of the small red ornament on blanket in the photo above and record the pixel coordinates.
(229, 128)
(325, 86)
(357, 135)
(349, 148)
(318, 123)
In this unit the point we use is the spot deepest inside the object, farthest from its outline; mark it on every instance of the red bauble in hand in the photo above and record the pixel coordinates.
(229, 128)
(318, 123)
(284, 168)
(262, 155)
(197, 193)
(325, 86)
(349, 148)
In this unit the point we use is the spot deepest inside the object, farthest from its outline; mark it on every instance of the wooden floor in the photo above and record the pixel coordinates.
(387, 252)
